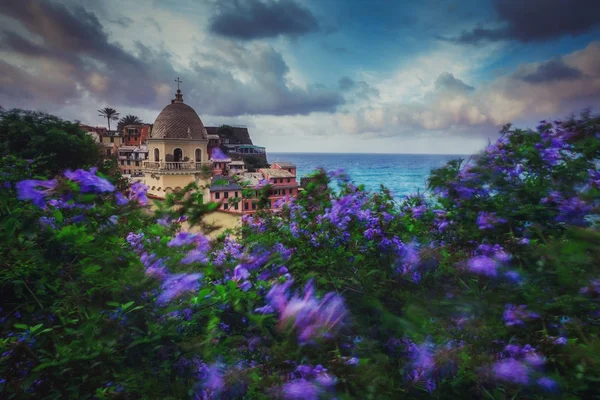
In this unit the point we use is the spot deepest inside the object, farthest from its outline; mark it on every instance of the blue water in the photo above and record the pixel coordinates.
(403, 174)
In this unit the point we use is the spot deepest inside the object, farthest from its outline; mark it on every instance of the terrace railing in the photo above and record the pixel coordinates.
(174, 166)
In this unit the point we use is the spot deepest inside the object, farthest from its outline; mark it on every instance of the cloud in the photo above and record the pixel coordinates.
(537, 21)
(447, 82)
(258, 19)
(337, 50)
(123, 21)
(154, 23)
(360, 90)
(540, 90)
(551, 71)
(70, 48)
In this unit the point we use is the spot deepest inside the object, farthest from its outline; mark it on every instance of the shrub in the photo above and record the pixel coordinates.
(487, 286)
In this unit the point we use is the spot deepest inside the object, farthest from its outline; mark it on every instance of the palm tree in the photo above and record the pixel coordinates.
(128, 120)
(109, 114)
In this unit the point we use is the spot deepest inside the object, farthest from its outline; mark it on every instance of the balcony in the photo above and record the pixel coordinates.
(174, 167)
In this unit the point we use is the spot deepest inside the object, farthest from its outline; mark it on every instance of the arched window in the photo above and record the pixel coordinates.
(156, 155)
(198, 155)
(177, 155)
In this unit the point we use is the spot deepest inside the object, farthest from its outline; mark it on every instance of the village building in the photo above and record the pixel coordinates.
(180, 151)
(177, 149)
(111, 141)
(131, 160)
(135, 135)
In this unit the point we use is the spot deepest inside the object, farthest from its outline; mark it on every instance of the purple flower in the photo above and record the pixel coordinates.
(182, 239)
(240, 273)
(487, 220)
(483, 265)
(573, 211)
(89, 181)
(511, 370)
(547, 384)
(27, 190)
(300, 389)
(176, 285)
(217, 154)
(514, 315)
(514, 276)
(138, 193)
(561, 340)
(310, 317)
(245, 286)
(121, 200)
(352, 361)
(48, 222)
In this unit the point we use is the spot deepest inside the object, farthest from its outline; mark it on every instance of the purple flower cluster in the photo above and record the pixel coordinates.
(89, 181)
(310, 317)
(29, 190)
(173, 285)
(514, 315)
(486, 220)
(487, 260)
(519, 364)
(308, 383)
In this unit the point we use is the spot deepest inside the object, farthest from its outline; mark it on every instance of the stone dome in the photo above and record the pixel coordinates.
(178, 121)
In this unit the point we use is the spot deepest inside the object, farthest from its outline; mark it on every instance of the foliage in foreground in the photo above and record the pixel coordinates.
(488, 288)
(55, 144)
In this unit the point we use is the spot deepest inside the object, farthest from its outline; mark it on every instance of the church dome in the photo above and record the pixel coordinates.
(178, 121)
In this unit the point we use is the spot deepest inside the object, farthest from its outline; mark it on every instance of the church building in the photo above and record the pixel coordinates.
(177, 150)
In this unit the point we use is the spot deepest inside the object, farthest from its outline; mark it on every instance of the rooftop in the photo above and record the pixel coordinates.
(277, 173)
(284, 164)
(252, 178)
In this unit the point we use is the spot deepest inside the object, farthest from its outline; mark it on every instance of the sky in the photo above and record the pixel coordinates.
(343, 76)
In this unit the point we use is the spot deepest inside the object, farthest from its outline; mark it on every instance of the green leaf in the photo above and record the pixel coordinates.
(21, 326)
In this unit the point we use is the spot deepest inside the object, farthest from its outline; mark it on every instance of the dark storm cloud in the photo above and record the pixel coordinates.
(256, 19)
(554, 70)
(69, 55)
(537, 21)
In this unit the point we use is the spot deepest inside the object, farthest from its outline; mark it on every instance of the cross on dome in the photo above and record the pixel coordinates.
(178, 95)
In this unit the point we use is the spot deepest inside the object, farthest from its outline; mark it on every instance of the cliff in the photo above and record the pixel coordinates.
(239, 135)
(236, 135)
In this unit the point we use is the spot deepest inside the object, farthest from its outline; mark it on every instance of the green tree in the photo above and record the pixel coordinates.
(129, 119)
(109, 114)
(56, 144)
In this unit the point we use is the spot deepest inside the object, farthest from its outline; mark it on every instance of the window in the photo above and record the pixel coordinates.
(254, 206)
(236, 194)
(198, 155)
(122, 162)
(156, 155)
(112, 139)
(235, 206)
(226, 195)
(246, 205)
(217, 195)
(225, 206)
(128, 162)
(137, 163)
(288, 180)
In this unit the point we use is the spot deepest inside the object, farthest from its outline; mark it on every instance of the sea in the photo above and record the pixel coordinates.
(402, 174)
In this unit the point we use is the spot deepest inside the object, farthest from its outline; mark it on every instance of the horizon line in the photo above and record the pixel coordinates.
(385, 154)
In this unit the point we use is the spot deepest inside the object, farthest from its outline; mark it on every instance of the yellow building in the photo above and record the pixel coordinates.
(111, 142)
(177, 150)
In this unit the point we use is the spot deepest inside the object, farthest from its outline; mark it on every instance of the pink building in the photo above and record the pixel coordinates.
(228, 190)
